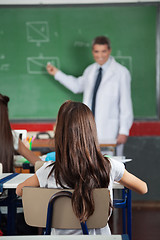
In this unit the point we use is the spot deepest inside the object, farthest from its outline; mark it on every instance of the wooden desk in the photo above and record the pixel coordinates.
(50, 143)
(43, 146)
(67, 237)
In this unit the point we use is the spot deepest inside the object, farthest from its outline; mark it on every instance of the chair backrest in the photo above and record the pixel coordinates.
(38, 164)
(35, 204)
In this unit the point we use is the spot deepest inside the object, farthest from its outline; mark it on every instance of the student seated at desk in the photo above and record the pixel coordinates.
(10, 141)
(80, 165)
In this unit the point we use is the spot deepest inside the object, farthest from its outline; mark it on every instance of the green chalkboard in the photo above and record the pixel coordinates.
(32, 36)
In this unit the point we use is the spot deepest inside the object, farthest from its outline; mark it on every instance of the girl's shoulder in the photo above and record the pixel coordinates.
(117, 169)
(46, 167)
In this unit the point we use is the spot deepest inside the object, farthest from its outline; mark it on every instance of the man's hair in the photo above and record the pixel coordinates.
(102, 40)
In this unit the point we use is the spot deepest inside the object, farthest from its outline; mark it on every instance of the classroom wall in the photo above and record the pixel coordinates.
(143, 147)
(145, 152)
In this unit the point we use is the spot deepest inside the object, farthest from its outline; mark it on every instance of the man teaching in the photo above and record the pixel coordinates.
(106, 88)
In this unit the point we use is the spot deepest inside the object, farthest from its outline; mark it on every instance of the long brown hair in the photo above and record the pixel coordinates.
(6, 138)
(79, 162)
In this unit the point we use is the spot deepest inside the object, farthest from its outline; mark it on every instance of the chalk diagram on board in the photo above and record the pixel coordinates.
(37, 32)
(37, 65)
(124, 60)
(81, 44)
(4, 66)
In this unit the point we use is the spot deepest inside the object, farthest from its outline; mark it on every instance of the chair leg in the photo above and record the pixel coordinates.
(84, 228)
(124, 213)
(129, 215)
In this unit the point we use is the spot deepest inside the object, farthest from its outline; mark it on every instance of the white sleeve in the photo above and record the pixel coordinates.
(76, 85)
(15, 139)
(42, 174)
(117, 170)
(126, 111)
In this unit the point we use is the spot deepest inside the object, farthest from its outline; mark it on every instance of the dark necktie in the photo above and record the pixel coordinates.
(98, 81)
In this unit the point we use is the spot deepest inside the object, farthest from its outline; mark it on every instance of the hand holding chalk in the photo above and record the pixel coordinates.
(51, 69)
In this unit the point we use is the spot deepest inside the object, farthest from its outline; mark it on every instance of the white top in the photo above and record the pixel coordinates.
(15, 139)
(117, 171)
(114, 114)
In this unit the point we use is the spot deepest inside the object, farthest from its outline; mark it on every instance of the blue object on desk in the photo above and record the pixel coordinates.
(51, 156)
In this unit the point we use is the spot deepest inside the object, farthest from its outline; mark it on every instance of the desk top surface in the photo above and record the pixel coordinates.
(13, 183)
(68, 237)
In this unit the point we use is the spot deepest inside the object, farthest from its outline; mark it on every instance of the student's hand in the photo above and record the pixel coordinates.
(121, 139)
(26, 153)
(51, 69)
(31, 181)
(26, 143)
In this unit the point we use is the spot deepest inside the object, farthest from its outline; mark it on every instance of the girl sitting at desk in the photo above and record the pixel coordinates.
(9, 140)
(80, 165)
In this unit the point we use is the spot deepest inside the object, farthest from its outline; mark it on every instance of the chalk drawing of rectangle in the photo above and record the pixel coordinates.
(37, 65)
(125, 61)
(37, 31)
(4, 67)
